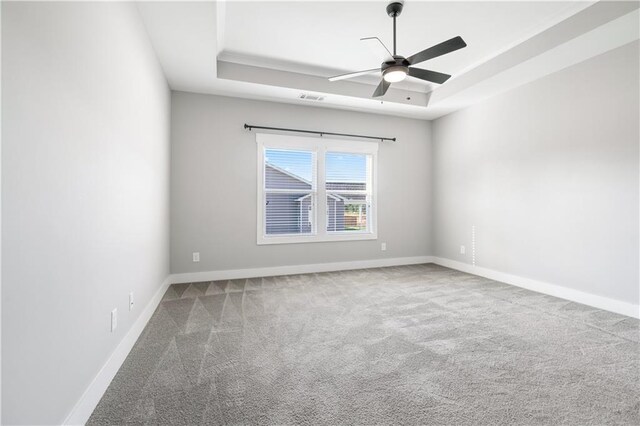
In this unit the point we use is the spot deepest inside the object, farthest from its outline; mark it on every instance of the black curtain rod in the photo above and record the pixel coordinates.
(251, 127)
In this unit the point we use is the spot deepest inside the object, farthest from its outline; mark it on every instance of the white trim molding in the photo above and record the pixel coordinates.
(271, 271)
(600, 302)
(94, 392)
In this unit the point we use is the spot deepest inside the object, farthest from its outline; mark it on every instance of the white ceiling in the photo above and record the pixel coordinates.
(276, 50)
(327, 34)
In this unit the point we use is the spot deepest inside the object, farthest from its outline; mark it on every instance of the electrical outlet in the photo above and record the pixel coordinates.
(114, 319)
(463, 249)
(196, 256)
(131, 301)
(383, 246)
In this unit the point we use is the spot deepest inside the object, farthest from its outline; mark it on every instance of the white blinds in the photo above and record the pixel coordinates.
(315, 189)
(289, 191)
(348, 186)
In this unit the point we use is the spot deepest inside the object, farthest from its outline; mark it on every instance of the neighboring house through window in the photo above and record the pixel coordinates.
(299, 177)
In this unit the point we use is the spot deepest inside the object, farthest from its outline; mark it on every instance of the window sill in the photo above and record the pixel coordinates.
(297, 239)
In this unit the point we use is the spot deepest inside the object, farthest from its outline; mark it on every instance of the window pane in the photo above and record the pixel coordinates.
(347, 212)
(347, 185)
(346, 171)
(288, 169)
(289, 213)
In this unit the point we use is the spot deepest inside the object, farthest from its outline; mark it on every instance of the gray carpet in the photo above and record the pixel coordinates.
(403, 345)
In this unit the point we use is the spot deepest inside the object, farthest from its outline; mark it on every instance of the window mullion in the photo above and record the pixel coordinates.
(321, 211)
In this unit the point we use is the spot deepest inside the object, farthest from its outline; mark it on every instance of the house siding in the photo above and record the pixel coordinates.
(289, 213)
(284, 213)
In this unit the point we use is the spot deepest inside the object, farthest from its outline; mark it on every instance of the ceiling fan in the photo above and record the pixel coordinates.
(394, 67)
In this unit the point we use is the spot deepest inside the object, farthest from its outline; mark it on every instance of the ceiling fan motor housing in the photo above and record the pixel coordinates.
(399, 62)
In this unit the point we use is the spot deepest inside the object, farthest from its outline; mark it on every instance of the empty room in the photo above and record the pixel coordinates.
(320, 213)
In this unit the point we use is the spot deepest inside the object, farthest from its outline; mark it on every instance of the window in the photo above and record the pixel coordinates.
(314, 189)
(348, 185)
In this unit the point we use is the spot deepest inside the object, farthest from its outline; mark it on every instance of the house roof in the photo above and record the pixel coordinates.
(288, 173)
(335, 197)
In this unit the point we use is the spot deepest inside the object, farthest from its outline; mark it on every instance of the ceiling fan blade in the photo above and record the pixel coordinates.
(432, 76)
(382, 88)
(353, 74)
(378, 48)
(437, 50)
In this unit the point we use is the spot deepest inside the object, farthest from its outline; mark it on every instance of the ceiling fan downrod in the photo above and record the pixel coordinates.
(394, 10)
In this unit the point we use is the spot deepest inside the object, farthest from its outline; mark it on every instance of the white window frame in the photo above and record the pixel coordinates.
(319, 146)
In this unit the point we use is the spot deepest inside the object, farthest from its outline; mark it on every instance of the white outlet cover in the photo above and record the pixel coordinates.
(196, 256)
(383, 246)
(463, 249)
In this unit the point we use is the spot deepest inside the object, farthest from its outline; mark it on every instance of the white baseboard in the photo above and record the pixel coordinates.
(270, 271)
(87, 403)
(573, 295)
(89, 400)
(94, 392)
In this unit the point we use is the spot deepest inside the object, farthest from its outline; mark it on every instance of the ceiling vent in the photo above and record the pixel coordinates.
(311, 97)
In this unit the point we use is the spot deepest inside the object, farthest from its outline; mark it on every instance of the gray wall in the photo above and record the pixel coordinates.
(85, 195)
(213, 184)
(548, 174)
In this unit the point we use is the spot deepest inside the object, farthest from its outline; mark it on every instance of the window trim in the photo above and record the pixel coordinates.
(319, 146)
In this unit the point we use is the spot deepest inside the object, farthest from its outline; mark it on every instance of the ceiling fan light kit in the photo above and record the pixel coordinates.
(395, 73)
(395, 68)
